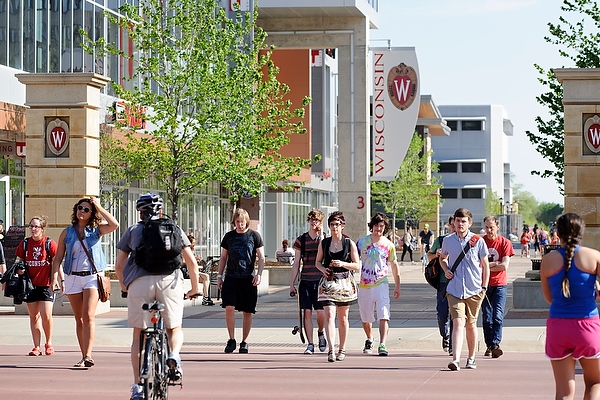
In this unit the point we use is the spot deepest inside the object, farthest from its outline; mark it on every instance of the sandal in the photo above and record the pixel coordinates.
(80, 363)
(49, 349)
(35, 352)
(330, 356)
(341, 355)
(88, 361)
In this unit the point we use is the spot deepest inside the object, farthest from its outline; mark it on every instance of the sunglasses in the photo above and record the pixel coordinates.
(85, 209)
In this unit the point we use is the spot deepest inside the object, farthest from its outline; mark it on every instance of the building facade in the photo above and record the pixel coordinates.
(473, 158)
(43, 37)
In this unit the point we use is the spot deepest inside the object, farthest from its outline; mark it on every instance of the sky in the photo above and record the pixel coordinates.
(483, 52)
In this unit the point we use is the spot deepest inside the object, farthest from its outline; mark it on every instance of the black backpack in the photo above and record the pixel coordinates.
(159, 251)
(433, 270)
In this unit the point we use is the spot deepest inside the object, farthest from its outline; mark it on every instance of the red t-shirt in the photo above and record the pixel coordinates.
(498, 249)
(38, 264)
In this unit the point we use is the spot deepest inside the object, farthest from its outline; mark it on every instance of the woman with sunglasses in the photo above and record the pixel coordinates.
(79, 245)
(37, 252)
(337, 254)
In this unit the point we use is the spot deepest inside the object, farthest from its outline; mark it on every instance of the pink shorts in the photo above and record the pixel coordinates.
(575, 337)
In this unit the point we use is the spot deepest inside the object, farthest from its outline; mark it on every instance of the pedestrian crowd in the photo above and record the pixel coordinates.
(329, 274)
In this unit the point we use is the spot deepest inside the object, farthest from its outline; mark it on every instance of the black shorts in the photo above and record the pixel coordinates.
(40, 293)
(308, 292)
(240, 293)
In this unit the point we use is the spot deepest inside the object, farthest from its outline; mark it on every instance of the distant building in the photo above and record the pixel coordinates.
(474, 157)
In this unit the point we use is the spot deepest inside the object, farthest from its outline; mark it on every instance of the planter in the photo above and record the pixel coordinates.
(527, 294)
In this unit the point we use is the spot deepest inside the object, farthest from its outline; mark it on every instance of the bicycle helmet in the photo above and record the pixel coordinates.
(149, 203)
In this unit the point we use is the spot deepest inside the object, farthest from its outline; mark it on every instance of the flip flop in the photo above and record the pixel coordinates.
(80, 363)
(49, 349)
(88, 361)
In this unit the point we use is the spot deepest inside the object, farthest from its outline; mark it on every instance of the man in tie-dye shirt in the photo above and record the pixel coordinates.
(376, 253)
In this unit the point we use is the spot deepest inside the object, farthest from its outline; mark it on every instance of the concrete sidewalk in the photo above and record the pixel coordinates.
(276, 367)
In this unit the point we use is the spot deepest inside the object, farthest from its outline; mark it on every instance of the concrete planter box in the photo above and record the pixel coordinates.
(279, 274)
(527, 294)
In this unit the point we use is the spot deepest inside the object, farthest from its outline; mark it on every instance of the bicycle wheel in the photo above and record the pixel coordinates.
(161, 379)
(148, 370)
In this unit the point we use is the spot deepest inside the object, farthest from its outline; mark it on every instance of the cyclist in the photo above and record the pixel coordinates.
(143, 287)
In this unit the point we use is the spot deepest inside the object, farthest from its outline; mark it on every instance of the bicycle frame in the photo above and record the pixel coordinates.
(153, 355)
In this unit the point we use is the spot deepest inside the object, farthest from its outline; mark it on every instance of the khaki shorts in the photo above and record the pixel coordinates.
(168, 289)
(466, 308)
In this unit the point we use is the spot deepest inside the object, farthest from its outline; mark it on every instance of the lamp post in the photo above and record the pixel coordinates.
(501, 206)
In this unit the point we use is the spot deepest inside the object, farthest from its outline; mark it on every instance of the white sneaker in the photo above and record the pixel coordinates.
(310, 349)
(137, 392)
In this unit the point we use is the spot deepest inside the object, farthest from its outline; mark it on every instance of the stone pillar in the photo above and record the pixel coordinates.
(62, 137)
(581, 100)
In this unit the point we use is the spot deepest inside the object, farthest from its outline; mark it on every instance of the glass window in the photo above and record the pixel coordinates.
(452, 124)
(472, 167)
(449, 193)
(3, 32)
(472, 193)
(472, 125)
(15, 34)
(448, 167)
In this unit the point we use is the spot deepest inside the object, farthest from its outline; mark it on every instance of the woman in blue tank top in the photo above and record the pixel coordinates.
(568, 277)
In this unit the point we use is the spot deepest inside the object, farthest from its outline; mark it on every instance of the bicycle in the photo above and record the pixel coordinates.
(154, 350)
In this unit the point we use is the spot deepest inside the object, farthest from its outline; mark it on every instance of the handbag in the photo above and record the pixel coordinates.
(341, 288)
(103, 280)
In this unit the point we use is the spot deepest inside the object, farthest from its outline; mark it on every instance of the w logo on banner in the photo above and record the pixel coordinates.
(402, 86)
(57, 136)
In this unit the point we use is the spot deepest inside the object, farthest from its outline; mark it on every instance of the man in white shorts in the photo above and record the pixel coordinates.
(143, 287)
(376, 252)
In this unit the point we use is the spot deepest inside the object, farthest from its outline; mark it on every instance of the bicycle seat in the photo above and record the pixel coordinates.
(156, 306)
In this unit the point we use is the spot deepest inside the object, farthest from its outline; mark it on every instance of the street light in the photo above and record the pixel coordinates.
(501, 205)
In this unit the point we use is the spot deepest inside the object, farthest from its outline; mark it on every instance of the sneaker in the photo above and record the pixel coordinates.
(231, 345)
(310, 349)
(243, 348)
(137, 392)
(450, 352)
(330, 356)
(471, 364)
(368, 349)
(382, 351)
(322, 342)
(496, 351)
(488, 352)
(175, 372)
(446, 344)
(341, 355)
(454, 365)
(207, 302)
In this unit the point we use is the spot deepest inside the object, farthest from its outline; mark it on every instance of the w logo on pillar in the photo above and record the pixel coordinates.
(57, 137)
(402, 86)
(591, 133)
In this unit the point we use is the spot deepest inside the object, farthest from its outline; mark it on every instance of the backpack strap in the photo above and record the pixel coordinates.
(462, 254)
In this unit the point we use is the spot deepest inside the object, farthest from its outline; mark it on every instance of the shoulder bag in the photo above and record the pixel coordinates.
(340, 287)
(103, 280)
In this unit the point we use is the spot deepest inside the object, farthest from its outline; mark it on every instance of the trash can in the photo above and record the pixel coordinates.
(549, 247)
(536, 264)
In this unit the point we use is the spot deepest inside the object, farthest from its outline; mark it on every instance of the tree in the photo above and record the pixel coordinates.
(493, 203)
(412, 194)
(547, 213)
(216, 111)
(528, 206)
(583, 49)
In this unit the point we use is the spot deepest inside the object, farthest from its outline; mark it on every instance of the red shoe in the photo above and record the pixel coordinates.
(49, 349)
(35, 352)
